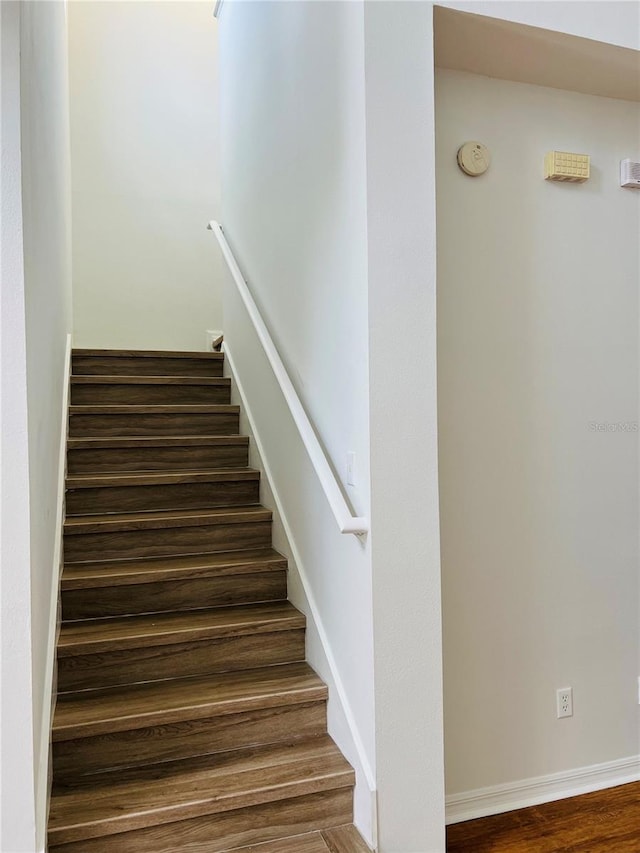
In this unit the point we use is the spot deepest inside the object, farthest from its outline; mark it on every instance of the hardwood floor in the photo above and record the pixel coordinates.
(601, 822)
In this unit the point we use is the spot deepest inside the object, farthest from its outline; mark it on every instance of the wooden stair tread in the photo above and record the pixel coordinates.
(137, 353)
(342, 839)
(89, 636)
(127, 379)
(100, 442)
(79, 524)
(310, 842)
(93, 712)
(122, 572)
(187, 716)
(154, 478)
(345, 839)
(102, 805)
(153, 409)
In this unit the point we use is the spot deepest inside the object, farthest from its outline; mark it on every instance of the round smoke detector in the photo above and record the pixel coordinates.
(474, 158)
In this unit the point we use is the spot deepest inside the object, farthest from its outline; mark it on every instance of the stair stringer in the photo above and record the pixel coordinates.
(341, 723)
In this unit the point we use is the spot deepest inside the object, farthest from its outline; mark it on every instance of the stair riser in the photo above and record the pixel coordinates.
(185, 458)
(174, 595)
(217, 833)
(99, 394)
(80, 756)
(167, 423)
(129, 666)
(166, 542)
(132, 366)
(162, 497)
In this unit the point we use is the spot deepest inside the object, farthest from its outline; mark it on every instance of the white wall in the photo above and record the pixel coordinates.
(40, 307)
(275, 189)
(403, 427)
(537, 340)
(329, 573)
(294, 202)
(294, 212)
(320, 211)
(46, 186)
(144, 132)
(17, 804)
(614, 22)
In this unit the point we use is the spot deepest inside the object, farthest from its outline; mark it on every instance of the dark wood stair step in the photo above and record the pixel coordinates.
(132, 492)
(78, 525)
(73, 759)
(167, 533)
(139, 390)
(97, 730)
(123, 420)
(146, 362)
(235, 828)
(112, 803)
(109, 652)
(90, 636)
(123, 572)
(138, 706)
(177, 583)
(112, 455)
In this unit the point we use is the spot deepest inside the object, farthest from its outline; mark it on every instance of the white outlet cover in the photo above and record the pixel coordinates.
(564, 702)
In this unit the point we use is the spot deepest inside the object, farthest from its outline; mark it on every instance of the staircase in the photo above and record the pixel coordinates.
(186, 719)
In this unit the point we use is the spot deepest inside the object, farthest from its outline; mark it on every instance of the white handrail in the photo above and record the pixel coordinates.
(347, 522)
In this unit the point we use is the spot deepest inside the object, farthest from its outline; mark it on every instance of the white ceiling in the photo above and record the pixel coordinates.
(510, 51)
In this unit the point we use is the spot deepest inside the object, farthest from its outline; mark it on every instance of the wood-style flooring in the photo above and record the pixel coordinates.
(601, 822)
(343, 839)
(187, 718)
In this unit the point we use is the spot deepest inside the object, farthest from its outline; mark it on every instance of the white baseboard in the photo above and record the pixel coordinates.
(541, 789)
(44, 768)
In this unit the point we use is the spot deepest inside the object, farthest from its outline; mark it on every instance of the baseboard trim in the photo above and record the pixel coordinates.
(315, 614)
(541, 789)
(44, 765)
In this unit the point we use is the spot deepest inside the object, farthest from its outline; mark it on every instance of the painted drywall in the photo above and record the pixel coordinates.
(46, 208)
(403, 428)
(523, 54)
(293, 189)
(294, 203)
(144, 133)
(17, 804)
(538, 414)
(36, 263)
(270, 211)
(319, 210)
(615, 22)
(329, 575)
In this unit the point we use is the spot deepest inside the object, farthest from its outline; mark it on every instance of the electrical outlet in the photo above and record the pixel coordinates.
(564, 702)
